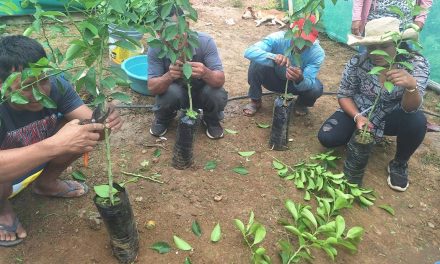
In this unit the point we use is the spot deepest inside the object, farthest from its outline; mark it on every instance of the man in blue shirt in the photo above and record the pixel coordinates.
(271, 68)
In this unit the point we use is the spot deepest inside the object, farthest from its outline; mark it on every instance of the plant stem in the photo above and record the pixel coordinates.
(296, 253)
(142, 176)
(190, 95)
(285, 92)
(364, 130)
(109, 165)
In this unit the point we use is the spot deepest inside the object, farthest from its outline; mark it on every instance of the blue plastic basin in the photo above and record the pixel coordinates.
(137, 70)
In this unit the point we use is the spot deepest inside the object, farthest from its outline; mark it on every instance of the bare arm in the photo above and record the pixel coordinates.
(411, 99)
(347, 104)
(70, 139)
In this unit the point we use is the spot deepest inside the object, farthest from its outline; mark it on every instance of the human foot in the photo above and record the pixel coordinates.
(11, 231)
(251, 108)
(61, 189)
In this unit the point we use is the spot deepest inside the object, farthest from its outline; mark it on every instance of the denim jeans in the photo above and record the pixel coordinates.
(261, 75)
(211, 100)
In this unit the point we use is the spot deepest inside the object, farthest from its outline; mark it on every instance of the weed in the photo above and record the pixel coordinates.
(237, 3)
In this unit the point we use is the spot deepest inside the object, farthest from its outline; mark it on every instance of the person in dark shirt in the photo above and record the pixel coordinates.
(36, 143)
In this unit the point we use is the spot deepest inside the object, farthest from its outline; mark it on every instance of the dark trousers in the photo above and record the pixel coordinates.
(410, 129)
(261, 75)
(211, 100)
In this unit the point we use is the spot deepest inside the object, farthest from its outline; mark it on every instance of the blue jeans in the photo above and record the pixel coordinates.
(261, 75)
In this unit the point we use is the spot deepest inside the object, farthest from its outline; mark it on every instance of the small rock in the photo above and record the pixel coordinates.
(431, 225)
(230, 21)
(150, 224)
(82, 213)
(218, 197)
(69, 170)
(411, 206)
(290, 139)
(139, 199)
(144, 151)
(95, 221)
(155, 160)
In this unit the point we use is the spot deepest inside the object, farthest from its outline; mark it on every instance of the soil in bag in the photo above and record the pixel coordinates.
(279, 134)
(120, 224)
(358, 153)
(183, 148)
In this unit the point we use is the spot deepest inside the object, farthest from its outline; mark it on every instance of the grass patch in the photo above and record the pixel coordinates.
(431, 159)
(237, 3)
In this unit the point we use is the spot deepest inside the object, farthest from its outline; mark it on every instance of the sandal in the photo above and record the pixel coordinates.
(251, 108)
(11, 229)
(300, 110)
(71, 187)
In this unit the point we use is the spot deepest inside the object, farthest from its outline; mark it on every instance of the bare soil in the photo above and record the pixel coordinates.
(60, 230)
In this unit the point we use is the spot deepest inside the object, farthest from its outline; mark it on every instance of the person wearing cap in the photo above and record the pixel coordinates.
(397, 113)
(270, 68)
(366, 10)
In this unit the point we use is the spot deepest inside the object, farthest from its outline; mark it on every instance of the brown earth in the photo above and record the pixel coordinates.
(60, 232)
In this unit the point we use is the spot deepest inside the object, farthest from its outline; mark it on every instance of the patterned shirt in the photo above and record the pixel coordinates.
(362, 87)
(380, 8)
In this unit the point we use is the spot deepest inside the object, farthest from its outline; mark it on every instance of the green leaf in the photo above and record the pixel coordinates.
(277, 165)
(195, 227)
(187, 261)
(389, 86)
(341, 202)
(18, 98)
(187, 70)
(340, 225)
(246, 153)
(181, 244)
(79, 176)
(89, 26)
(121, 97)
(251, 221)
(74, 51)
(161, 247)
(260, 251)
(355, 232)
(260, 234)
(293, 230)
(117, 5)
(157, 152)
(210, 165)
(407, 65)
(9, 81)
(230, 131)
(387, 208)
(402, 51)
(166, 10)
(103, 190)
(239, 224)
(263, 125)
(365, 201)
(290, 206)
(43, 99)
(307, 196)
(216, 233)
(240, 170)
(396, 10)
(379, 52)
(309, 216)
(376, 70)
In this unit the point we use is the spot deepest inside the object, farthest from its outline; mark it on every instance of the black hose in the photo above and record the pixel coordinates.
(245, 97)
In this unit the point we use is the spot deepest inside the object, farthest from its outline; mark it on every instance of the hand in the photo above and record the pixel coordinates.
(356, 28)
(77, 139)
(113, 121)
(175, 70)
(294, 74)
(281, 60)
(362, 121)
(199, 70)
(419, 24)
(400, 77)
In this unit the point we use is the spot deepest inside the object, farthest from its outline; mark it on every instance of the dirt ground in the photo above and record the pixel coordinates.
(59, 230)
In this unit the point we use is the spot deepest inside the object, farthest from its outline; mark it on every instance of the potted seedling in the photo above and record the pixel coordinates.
(177, 42)
(361, 143)
(92, 76)
(284, 103)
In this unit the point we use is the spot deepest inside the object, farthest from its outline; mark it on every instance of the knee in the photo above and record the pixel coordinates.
(171, 97)
(215, 96)
(316, 89)
(415, 122)
(326, 134)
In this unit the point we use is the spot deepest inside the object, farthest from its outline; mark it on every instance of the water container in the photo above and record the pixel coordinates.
(118, 54)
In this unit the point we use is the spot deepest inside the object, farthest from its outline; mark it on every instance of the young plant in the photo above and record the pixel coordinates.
(253, 234)
(392, 61)
(315, 232)
(315, 179)
(175, 39)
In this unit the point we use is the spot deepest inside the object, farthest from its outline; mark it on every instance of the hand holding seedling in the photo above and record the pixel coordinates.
(362, 121)
(77, 139)
(281, 60)
(113, 121)
(294, 74)
(400, 77)
(356, 27)
(176, 70)
(199, 70)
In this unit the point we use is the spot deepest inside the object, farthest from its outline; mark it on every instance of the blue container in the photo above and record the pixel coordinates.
(137, 70)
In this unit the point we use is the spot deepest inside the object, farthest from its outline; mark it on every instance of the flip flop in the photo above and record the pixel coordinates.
(11, 229)
(430, 127)
(70, 188)
(251, 108)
